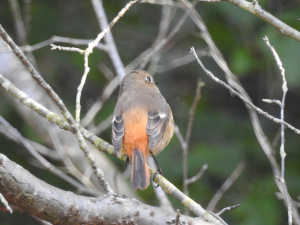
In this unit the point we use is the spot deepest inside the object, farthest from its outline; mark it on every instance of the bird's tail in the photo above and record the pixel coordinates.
(140, 177)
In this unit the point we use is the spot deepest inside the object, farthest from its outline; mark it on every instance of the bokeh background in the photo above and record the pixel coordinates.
(222, 134)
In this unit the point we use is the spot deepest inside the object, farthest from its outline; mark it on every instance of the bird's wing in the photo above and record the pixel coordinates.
(156, 126)
(117, 132)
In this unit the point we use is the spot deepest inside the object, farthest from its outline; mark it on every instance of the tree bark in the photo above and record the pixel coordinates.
(12, 69)
(49, 203)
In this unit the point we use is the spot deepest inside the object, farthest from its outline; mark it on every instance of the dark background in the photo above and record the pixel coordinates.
(222, 134)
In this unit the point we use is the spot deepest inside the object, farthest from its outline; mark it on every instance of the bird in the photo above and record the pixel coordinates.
(142, 124)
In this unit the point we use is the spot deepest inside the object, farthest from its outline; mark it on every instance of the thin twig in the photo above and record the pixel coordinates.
(210, 1)
(108, 38)
(276, 138)
(181, 61)
(282, 151)
(198, 175)
(218, 217)
(97, 106)
(180, 137)
(18, 22)
(58, 39)
(144, 57)
(106, 71)
(67, 49)
(272, 101)
(185, 150)
(234, 82)
(71, 168)
(20, 28)
(166, 17)
(177, 217)
(192, 110)
(54, 118)
(258, 110)
(225, 186)
(66, 114)
(5, 203)
(43, 150)
(105, 147)
(97, 7)
(43, 161)
(183, 199)
(27, 14)
(255, 8)
(162, 2)
(227, 209)
(105, 124)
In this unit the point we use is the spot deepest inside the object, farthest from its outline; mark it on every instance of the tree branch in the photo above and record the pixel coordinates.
(258, 110)
(282, 151)
(44, 162)
(105, 147)
(62, 207)
(254, 8)
(67, 115)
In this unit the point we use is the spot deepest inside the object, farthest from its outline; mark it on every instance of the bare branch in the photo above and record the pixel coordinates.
(272, 101)
(54, 118)
(166, 17)
(27, 14)
(105, 124)
(282, 151)
(258, 110)
(211, 1)
(144, 57)
(181, 61)
(225, 186)
(177, 217)
(68, 49)
(180, 137)
(111, 46)
(43, 161)
(112, 51)
(254, 8)
(105, 147)
(58, 39)
(234, 82)
(97, 106)
(18, 22)
(227, 209)
(185, 150)
(161, 195)
(183, 199)
(43, 150)
(106, 71)
(162, 2)
(198, 175)
(218, 218)
(67, 115)
(5, 203)
(192, 111)
(63, 207)
(71, 168)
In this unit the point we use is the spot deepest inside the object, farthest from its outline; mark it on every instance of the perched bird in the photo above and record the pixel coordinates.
(142, 124)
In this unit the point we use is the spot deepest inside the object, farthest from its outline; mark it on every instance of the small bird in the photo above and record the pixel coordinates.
(142, 125)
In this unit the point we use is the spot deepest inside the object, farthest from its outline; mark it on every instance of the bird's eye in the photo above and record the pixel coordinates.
(148, 79)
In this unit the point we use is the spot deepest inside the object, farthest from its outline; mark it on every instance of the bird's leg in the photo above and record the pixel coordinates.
(159, 170)
(127, 160)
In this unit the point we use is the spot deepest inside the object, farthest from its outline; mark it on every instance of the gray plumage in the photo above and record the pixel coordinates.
(150, 99)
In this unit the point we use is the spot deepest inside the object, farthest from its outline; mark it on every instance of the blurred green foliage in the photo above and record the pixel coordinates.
(222, 134)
